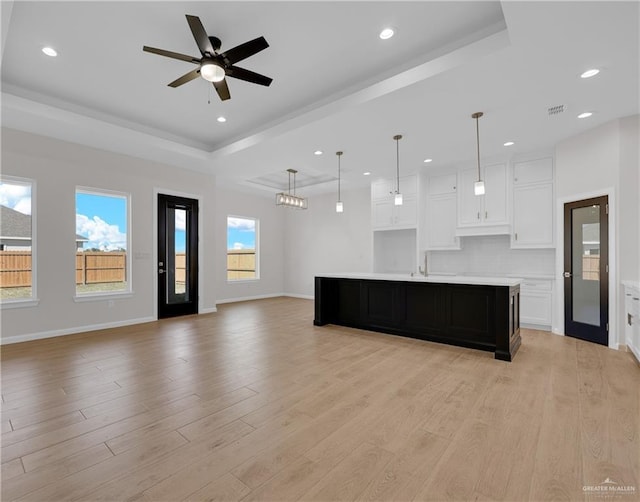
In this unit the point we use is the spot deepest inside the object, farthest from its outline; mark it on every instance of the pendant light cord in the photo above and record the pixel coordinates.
(339, 154)
(476, 116)
(397, 137)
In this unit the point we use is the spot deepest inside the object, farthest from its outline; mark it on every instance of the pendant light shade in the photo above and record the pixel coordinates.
(478, 186)
(339, 205)
(289, 199)
(398, 197)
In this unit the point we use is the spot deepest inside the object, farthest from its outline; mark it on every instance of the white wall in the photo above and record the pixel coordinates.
(231, 202)
(319, 240)
(57, 168)
(603, 161)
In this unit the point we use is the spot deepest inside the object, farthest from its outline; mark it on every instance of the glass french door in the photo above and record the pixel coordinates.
(177, 256)
(586, 265)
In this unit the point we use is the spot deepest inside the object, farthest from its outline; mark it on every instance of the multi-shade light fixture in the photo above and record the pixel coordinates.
(289, 199)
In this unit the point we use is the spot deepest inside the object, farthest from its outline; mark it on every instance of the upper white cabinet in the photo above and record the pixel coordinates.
(533, 204)
(442, 209)
(385, 215)
(483, 214)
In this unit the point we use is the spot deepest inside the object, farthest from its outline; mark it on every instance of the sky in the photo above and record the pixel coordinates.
(103, 220)
(241, 233)
(16, 196)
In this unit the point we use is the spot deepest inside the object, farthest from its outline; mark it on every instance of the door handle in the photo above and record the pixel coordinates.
(161, 271)
(567, 274)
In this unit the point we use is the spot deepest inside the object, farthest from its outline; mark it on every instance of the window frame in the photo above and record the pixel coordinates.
(107, 295)
(257, 249)
(33, 300)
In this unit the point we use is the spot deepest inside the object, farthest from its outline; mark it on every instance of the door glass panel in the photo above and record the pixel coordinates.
(585, 234)
(177, 264)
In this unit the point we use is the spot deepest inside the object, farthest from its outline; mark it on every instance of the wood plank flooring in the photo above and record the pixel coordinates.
(255, 403)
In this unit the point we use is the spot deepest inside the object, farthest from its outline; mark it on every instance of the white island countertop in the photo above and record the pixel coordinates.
(441, 279)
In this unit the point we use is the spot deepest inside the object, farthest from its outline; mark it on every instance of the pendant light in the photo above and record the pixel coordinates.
(398, 197)
(478, 186)
(288, 199)
(339, 205)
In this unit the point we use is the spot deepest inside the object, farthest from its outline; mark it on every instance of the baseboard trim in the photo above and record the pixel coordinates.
(208, 310)
(249, 298)
(538, 327)
(295, 295)
(72, 331)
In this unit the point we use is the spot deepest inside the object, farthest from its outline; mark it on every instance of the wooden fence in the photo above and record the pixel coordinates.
(241, 264)
(15, 269)
(93, 267)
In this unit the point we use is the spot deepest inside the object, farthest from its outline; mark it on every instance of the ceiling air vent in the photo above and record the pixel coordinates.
(555, 110)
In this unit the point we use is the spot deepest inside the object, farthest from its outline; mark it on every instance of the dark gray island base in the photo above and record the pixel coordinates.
(479, 316)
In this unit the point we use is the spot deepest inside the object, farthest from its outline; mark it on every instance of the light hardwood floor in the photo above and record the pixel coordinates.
(255, 403)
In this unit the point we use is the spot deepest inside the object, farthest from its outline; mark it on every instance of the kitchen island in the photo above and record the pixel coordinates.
(476, 312)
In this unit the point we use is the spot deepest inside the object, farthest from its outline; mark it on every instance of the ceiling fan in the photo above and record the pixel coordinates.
(214, 66)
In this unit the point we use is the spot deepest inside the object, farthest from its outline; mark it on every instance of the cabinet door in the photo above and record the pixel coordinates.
(382, 213)
(533, 216)
(535, 308)
(469, 204)
(406, 215)
(441, 222)
(533, 171)
(495, 198)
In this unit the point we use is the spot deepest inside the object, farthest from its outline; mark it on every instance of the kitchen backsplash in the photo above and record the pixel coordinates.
(491, 255)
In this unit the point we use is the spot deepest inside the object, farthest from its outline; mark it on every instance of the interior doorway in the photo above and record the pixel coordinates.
(586, 269)
(177, 256)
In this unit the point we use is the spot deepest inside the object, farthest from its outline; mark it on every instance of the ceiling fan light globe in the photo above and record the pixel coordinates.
(212, 72)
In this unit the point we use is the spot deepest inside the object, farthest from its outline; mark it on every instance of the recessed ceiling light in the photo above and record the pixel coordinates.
(590, 73)
(509, 143)
(50, 51)
(386, 34)
(366, 174)
(221, 119)
(426, 161)
(584, 115)
(318, 152)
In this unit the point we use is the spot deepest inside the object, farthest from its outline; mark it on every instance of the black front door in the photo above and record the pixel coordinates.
(586, 270)
(177, 256)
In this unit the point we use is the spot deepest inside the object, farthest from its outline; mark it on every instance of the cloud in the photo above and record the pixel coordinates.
(101, 234)
(241, 224)
(238, 245)
(17, 197)
(181, 219)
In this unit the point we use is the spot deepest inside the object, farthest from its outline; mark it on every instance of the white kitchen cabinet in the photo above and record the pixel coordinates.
(533, 202)
(536, 303)
(441, 212)
(385, 214)
(478, 214)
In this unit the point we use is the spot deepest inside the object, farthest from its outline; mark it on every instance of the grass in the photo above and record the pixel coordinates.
(24, 293)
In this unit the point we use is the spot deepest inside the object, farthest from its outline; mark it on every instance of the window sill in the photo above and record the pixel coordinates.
(235, 281)
(97, 297)
(19, 304)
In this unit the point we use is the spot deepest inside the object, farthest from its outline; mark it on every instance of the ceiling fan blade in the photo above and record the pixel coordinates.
(243, 51)
(187, 77)
(222, 89)
(169, 54)
(247, 75)
(199, 33)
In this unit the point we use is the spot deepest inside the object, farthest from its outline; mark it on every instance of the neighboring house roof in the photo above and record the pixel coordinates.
(14, 224)
(17, 225)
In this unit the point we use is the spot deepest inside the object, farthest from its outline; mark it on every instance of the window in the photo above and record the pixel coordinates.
(102, 242)
(242, 248)
(17, 270)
